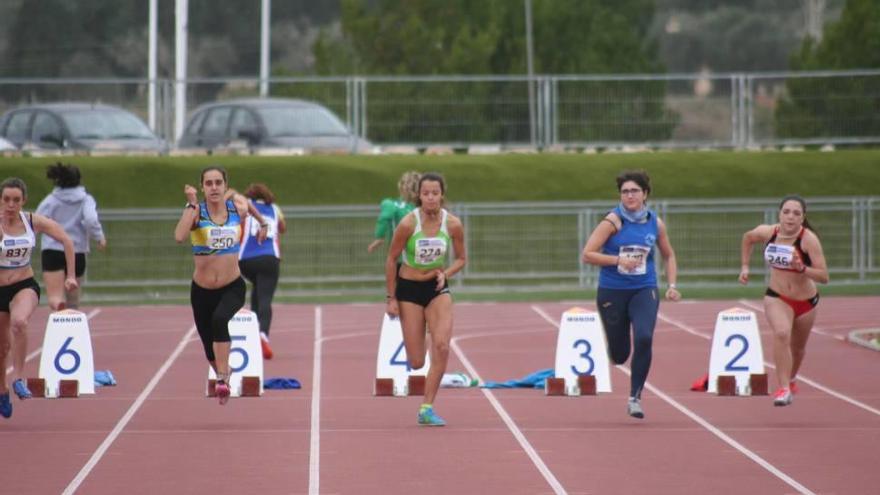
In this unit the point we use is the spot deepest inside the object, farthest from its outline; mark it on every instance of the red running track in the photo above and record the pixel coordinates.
(156, 433)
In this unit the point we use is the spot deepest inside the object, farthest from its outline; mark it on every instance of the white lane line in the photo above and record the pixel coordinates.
(768, 364)
(38, 350)
(315, 442)
(120, 425)
(816, 329)
(708, 426)
(511, 425)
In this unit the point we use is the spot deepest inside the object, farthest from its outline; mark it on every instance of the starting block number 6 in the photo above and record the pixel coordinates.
(67, 352)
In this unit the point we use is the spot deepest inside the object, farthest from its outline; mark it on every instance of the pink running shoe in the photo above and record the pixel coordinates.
(222, 391)
(793, 386)
(782, 397)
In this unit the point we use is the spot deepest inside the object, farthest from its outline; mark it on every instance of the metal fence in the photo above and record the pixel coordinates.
(658, 110)
(510, 246)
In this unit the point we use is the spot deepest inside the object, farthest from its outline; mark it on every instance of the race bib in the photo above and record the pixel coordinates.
(636, 252)
(430, 250)
(779, 255)
(221, 238)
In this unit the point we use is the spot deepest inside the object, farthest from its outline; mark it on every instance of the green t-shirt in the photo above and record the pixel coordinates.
(391, 213)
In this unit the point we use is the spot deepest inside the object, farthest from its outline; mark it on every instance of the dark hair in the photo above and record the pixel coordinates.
(63, 175)
(258, 190)
(433, 177)
(14, 182)
(799, 199)
(217, 168)
(640, 177)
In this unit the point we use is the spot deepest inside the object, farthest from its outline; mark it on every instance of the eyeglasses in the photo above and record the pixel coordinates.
(627, 192)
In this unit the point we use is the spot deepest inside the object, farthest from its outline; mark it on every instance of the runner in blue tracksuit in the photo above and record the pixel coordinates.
(623, 245)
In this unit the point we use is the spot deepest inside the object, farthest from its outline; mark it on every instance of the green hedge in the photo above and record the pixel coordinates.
(129, 182)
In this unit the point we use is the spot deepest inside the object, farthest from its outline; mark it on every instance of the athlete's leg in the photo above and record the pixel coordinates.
(800, 333)
(439, 318)
(412, 323)
(643, 314)
(54, 282)
(612, 305)
(20, 310)
(780, 316)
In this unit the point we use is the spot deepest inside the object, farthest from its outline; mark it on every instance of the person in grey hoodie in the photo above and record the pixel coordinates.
(71, 206)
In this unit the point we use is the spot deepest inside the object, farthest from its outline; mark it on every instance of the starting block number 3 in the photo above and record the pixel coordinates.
(67, 352)
(581, 350)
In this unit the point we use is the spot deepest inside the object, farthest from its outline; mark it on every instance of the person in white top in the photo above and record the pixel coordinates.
(19, 292)
(75, 210)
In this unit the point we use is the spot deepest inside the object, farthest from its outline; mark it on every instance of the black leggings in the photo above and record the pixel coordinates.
(212, 310)
(619, 308)
(262, 272)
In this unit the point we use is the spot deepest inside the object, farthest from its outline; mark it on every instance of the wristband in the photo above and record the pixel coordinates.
(190, 205)
(264, 224)
(671, 286)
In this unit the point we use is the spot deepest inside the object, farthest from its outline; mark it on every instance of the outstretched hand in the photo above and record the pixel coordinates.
(191, 193)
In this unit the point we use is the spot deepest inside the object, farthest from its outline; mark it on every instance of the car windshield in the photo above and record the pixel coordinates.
(301, 122)
(102, 123)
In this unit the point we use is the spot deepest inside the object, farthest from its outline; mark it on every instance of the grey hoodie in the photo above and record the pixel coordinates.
(76, 211)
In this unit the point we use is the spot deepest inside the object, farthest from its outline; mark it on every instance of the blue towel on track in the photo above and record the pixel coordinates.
(535, 380)
(280, 383)
(104, 378)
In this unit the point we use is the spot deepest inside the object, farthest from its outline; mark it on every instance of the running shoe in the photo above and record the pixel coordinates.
(793, 386)
(634, 408)
(427, 417)
(222, 391)
(782, 397)
(21, 389)
(264, 343)
(5, 405)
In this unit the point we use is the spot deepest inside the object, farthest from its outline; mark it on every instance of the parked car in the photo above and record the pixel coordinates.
(6, 145)
(78, 126)
(269, 123)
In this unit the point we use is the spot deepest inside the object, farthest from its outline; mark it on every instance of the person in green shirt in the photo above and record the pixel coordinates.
(393, 210)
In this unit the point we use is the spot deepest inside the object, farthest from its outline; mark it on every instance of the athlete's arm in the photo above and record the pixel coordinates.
(669, 257)
(759, 234)
(398, 243)
(456, 231)
(818, 272)
(189, 215)
(592, 252)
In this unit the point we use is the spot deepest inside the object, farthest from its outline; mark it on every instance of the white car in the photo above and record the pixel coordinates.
(6, 145)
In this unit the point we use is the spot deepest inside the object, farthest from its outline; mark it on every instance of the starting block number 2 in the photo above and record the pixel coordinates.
(736, 348)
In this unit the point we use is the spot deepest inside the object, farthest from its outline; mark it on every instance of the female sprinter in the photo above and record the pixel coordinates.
(794, 253)
(419, 292)
(217, 292)
(19, 292)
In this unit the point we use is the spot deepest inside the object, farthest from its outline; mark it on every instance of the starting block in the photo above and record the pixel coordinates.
(758, 384)
(394, 376)
(68, 388)
(37, 386)
(245, 356)
(736, 355)
(581, 355)
(67, 355)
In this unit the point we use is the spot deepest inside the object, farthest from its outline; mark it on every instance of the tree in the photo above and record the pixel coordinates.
(436, 37)
(839, 106)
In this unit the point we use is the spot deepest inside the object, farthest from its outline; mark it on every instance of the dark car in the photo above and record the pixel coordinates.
(269, 123)
(78, 126)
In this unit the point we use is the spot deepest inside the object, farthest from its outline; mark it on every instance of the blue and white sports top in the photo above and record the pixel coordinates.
(16, 250)
(271, 246)
(633, 240)
(208, 238)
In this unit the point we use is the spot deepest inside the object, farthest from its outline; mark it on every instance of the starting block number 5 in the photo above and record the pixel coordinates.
(67, 352)
(245, 353)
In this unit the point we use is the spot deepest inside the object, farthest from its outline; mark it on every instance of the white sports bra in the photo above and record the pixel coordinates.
(16, 250)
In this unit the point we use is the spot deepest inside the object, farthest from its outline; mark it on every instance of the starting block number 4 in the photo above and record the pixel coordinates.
(581, 349)
(391, 360)
(245, 354)
(736, 348)
(67, 352)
